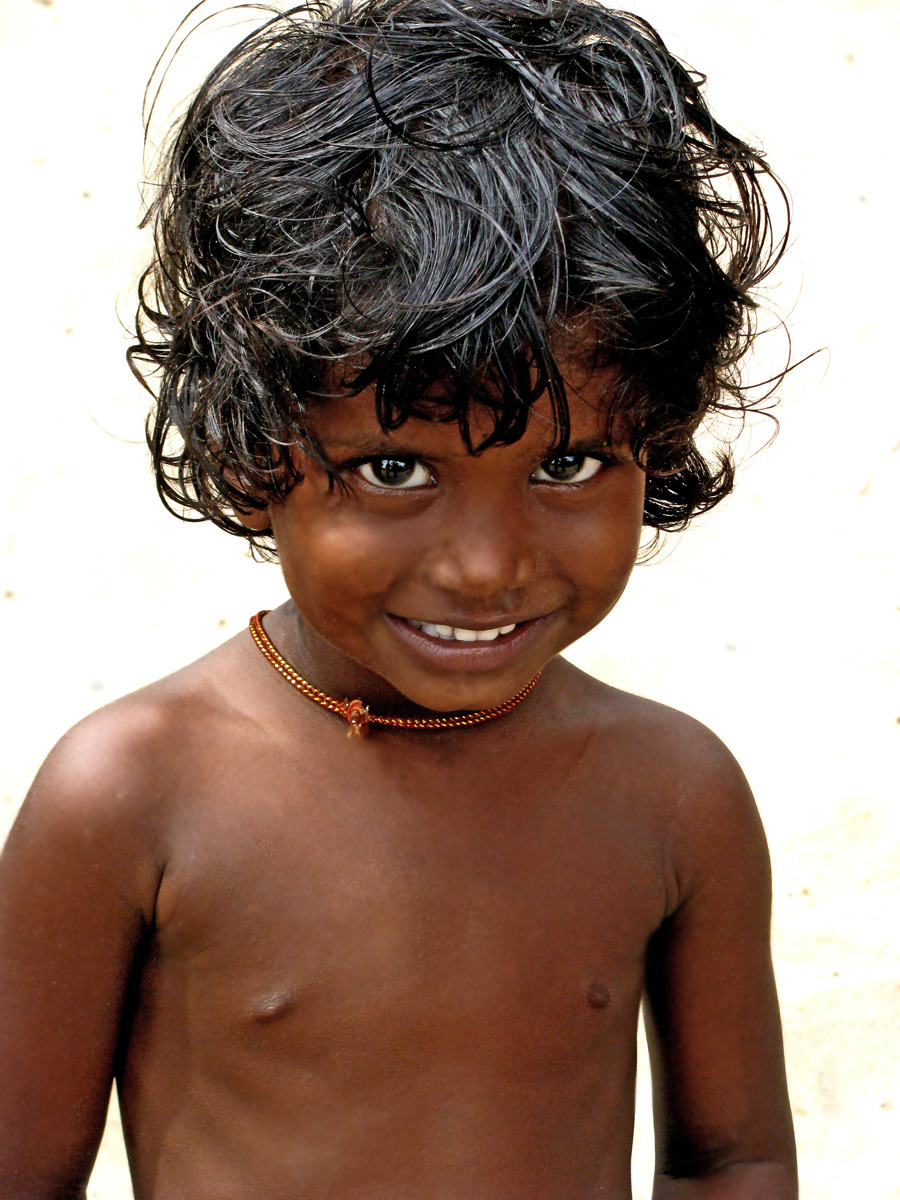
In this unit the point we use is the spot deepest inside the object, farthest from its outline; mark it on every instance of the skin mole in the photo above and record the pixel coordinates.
(598, 994)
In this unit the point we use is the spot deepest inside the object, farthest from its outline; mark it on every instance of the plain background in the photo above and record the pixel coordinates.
(774, 620)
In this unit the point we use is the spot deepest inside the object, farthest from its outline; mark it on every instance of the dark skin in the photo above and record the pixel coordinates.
(410, 965)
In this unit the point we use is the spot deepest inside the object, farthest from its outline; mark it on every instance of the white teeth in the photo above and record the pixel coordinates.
(453, 633)
(444, 632)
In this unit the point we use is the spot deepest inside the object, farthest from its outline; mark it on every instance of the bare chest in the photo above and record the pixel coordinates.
(348, 975)
(411, 919)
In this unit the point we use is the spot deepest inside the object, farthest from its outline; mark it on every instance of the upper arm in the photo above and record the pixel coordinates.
(713, 1026)
(77, 885)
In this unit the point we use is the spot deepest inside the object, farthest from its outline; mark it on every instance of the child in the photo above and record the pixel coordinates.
(442, 292)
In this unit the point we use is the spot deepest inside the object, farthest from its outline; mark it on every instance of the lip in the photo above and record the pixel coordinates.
(470, 656)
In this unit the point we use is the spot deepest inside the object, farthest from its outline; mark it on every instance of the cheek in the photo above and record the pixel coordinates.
(604, 544)
(333, 564)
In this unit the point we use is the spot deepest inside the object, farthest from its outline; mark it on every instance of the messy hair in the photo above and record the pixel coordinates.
(430, 198)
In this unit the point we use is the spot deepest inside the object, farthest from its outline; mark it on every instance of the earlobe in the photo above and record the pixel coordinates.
(255, 519)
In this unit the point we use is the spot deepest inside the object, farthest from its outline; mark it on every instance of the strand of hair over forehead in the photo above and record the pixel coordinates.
(427, 191)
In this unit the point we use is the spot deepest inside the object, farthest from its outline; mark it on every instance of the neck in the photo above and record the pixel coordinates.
(318, 662)
(358, 713)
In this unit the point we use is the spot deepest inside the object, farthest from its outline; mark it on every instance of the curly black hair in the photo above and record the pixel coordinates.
(406, 193)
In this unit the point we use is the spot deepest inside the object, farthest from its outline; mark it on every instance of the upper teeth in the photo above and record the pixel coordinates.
(452, 633)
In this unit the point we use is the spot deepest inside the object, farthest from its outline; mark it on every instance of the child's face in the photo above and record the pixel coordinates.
(428, 535)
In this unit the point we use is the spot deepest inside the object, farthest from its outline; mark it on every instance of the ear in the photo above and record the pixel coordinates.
(255, 519)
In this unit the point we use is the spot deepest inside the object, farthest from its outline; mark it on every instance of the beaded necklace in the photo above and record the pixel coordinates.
(356, 713)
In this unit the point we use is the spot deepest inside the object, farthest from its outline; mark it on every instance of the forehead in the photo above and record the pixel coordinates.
(350, 421)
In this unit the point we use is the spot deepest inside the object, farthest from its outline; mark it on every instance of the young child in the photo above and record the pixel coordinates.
(442, 293)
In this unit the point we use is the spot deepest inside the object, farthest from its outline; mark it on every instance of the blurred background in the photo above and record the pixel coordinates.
(774, 620)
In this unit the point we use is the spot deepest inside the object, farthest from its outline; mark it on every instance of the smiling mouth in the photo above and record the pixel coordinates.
(454, 633)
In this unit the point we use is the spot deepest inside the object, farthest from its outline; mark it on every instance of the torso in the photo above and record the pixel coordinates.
(417, 974)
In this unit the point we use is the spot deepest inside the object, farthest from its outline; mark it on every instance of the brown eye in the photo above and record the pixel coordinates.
(567, 468)
(395, 473)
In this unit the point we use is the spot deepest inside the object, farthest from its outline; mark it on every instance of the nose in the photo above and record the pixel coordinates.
(483, 550)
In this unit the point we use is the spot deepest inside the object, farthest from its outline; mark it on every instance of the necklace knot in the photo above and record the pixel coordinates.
(357, 715)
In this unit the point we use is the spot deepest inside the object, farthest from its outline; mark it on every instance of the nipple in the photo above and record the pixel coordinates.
(272, 1006)
(598, 995)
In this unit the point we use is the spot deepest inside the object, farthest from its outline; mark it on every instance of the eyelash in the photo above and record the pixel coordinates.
(365, 468)
(592, 462)
(405, 486)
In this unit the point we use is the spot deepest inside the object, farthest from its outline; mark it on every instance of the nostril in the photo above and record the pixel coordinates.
(480, 577)
(482, 560)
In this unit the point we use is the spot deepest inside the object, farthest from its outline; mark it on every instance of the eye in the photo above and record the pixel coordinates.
(567, 468)
(397, 474)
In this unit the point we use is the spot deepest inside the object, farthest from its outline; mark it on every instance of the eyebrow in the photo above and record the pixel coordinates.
(379, 445)
(584, 445)
(372, 445)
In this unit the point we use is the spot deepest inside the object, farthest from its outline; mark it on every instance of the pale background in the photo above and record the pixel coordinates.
(775, 620)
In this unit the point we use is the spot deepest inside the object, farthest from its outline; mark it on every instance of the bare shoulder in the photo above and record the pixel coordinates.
(684, 776)
(664, 739)
(119, 770)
